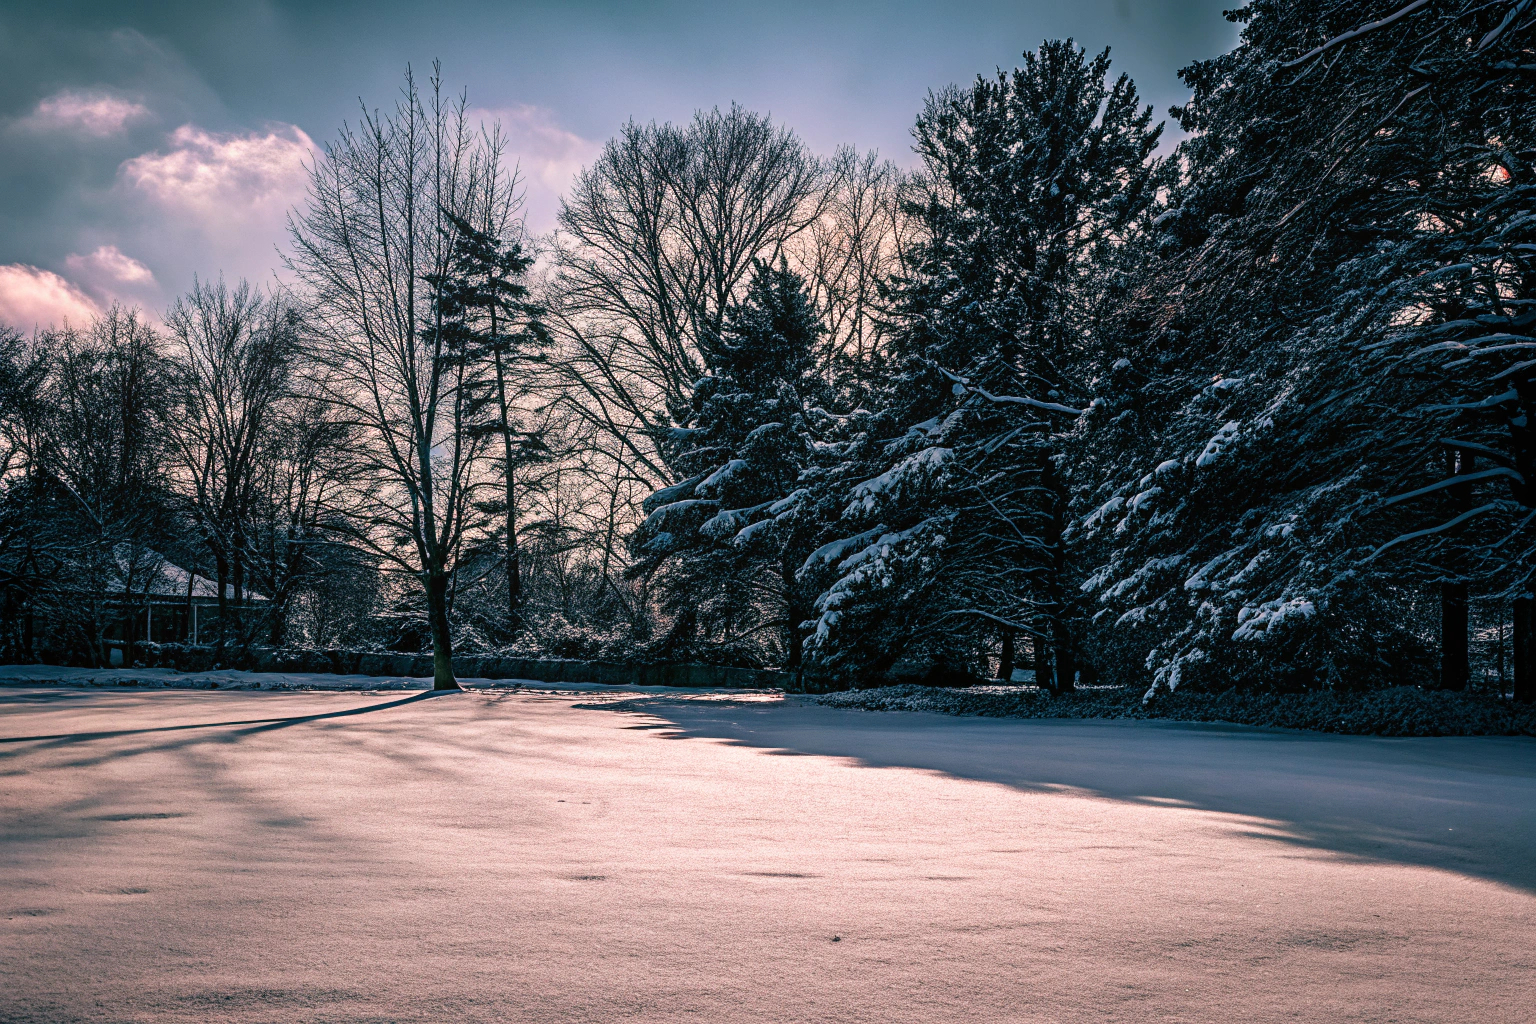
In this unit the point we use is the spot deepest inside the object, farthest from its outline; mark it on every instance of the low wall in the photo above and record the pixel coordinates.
(550, 670)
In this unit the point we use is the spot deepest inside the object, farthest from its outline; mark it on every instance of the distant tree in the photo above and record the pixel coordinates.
(658, 238)
(235, 353)
(24, 414)
(302, 535)
(1031, 183)
(849, 253)
(97, 505)
(488, 318)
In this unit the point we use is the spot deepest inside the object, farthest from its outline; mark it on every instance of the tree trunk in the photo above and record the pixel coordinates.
(1066, 656)
(187, 632)
(1045, 676)
(1005, 660)
(514, 561)
(794, 643)
(1525, 649)
(1454, 667)
(442, 640)
(129, 621)
(1453, 636)
(278, 608)
(514, 568)
(221, 569)
(237, 581)
(1056, 590)
(279, 612)
(28, 623)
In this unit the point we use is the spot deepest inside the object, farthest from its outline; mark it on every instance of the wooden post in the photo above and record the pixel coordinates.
(1524, 650)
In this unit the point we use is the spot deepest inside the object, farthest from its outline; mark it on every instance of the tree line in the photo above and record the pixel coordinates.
(1250, 410)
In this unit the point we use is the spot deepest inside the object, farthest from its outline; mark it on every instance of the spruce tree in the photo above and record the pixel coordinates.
(1332, 304)
(716, 541)
(1032, 181)
(494, 330)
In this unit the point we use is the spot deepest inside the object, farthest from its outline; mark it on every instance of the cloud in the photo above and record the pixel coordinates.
(92, 113)
(216, 203)
(225, 177)
(547, 151)
(30, 298)
(109, 262)
(548, 156)
(109, 275)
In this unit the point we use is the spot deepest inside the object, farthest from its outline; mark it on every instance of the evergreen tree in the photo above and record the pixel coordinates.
(490, 324)
(1330, 311)
(717, 540)
(1032, 182)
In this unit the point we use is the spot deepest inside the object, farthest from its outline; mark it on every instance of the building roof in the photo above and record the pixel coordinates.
(166, 579)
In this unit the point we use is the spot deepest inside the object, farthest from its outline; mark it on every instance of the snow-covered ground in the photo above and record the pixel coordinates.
(185, 855)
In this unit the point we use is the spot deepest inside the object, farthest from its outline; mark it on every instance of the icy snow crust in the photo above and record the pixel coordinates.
(507, 856)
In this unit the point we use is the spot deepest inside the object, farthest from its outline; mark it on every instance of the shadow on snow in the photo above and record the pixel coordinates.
(1462, 804)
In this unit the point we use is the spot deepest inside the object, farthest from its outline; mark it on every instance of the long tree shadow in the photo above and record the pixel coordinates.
(262, 724)
(76, 814)
(1464, 804)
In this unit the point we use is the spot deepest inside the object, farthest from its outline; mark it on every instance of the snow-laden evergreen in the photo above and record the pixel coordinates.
(1031, 183)
(1317, 441)
(724, 540)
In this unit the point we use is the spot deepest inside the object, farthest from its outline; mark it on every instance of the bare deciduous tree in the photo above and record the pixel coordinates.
(376, 235)
(235, 350)
(661, 231)
(859, 242)
(656, 240)
(96, 512)
(305, 481)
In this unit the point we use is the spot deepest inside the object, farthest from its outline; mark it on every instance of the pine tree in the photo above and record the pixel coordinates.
(1338, 280)
(491, 324)
(1032, 182)
(716, 540)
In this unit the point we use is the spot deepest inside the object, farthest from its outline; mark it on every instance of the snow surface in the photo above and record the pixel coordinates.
(503, 855)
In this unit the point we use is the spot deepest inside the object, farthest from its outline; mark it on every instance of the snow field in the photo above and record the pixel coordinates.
(497, 855)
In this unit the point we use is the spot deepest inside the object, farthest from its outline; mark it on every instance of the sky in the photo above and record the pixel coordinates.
(143, 143)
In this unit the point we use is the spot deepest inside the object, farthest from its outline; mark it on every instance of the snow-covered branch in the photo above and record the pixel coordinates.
(1452, 481)
(1356, 33)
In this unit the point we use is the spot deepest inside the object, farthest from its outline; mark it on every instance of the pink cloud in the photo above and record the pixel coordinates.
(547, 155)
(109, 275)
(93, 113)
(31, 298)
(110, 264)
(226, 177)
(220, 201)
